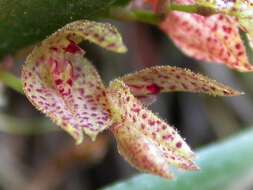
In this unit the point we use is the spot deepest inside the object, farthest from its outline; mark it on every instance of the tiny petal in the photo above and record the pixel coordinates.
(61, 83)
(158, 79)
(146, 141)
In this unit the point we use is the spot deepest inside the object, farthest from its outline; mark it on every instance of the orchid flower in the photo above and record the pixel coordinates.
(64, 85)
(212, 38)
(241, 10)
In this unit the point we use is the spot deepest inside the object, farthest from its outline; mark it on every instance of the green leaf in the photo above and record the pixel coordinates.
(26, 22)
(222, 166)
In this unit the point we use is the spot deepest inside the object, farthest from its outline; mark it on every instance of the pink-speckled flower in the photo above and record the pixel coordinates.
(241, 10)
(65, 86)
(213, 38)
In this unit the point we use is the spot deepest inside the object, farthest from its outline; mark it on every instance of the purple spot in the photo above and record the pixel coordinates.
(179, 145)
(58, 81)
(100, 122)
(70, 82)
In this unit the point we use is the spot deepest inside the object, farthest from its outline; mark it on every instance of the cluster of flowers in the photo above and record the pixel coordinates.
(60, 82)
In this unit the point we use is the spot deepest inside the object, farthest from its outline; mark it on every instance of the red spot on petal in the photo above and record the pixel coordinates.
(54, 48)
(70, 82)
(72, 48)
(137, 110)
(58, 82)
(168, 137)
(238, 46)
(150, 122)
(153, 89)
(144, 116)
(179, 145)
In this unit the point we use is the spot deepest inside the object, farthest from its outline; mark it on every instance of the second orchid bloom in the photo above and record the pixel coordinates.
(212, 38)
(60, 82)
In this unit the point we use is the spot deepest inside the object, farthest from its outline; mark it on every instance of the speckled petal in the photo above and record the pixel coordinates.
(242, 10)
(213, 39)
(158, 79)
(146, 141)
(141, 152)
(232, 14)
(61, 83)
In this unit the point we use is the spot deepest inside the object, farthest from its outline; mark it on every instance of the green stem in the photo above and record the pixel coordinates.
(197, 9)
(11, 81)
(140, 16)
(183, 8)
(154, 18)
